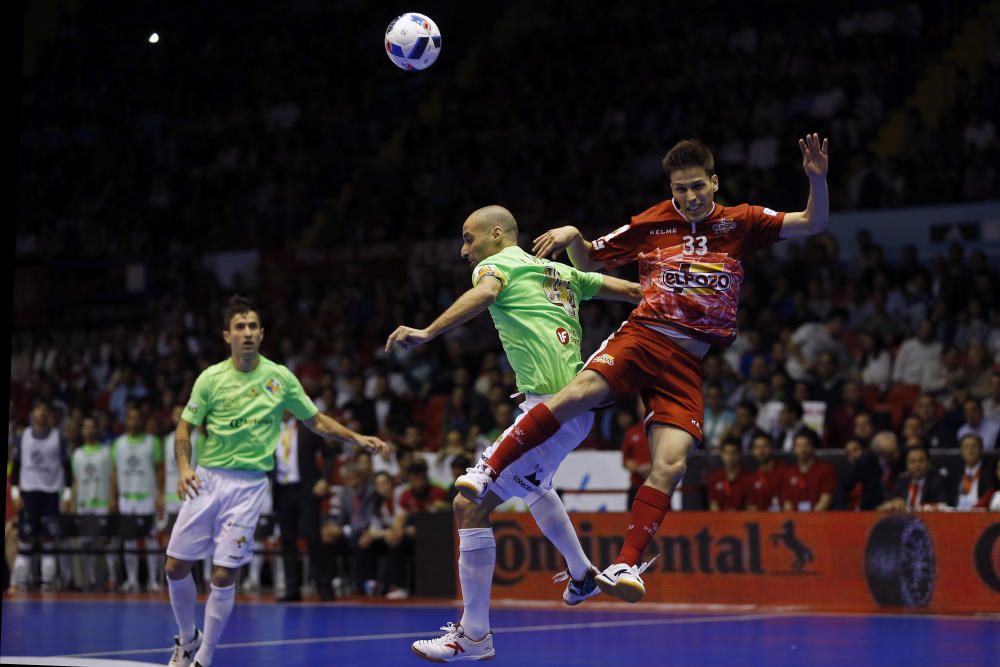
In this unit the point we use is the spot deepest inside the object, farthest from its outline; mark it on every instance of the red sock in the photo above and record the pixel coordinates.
(648, 509)
(534, 428)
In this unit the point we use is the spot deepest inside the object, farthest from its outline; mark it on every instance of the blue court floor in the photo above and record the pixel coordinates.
(123, 632)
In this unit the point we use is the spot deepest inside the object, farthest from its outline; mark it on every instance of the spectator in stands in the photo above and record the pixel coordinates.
(810, 484)
(810, 340)
(875, 362)
(744, 425)
(974, 479)
(789, 425)
(851, 490)
(391, 412)
(727, 485)
(383, 546)
(839, 426)
(420, 495)
(458, 466)
(827, 384)
(991, 405)
(979, 370)
(991, 499)
(919, 488)
(356, 407)
(892, 463)
(976, 424)
(916, 355)
(938, 434)
(718, 418)
(349, 518)
(864, 427)
(765, 484)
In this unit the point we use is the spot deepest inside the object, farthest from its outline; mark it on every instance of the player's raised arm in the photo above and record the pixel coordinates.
(467, 306)
(569, 239)
(815, 162)
(330, 429)
(616, 289)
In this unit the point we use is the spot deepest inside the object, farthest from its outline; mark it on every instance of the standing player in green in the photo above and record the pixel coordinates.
(535, 306)
(138, 459)
(241, 401)
(94, 492)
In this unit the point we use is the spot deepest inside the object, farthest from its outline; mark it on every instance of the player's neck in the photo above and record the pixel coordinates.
(246, 364)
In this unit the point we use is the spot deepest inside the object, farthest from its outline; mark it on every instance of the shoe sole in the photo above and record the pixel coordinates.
(623, 590)
(429, 658)
(468, 491)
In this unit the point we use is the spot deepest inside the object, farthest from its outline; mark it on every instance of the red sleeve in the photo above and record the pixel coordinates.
(828, 481)
(711, 482)
(984, 502)
(741, 490)
(406, 500)
(618, 247)
(763, 226)
(437, 493)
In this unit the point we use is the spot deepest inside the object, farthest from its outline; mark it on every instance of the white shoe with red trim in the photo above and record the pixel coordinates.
(453, 645)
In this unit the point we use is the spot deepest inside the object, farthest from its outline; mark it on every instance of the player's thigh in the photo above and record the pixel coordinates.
(193, 535)
(587, 390)
(240, 503)
(669, 448)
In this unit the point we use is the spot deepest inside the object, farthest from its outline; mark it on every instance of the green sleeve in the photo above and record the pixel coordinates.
(198, 405)
(296, 400)
(588, 282)
(157, 450)
(490, 269)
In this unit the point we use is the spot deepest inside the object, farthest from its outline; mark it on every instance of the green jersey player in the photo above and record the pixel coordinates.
(240, 400)
(535, 307)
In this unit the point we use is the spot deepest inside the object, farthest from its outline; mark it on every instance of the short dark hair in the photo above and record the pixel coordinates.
(689, 153)
(749, 406)
(762, 434)
(809, 435)
(417, 467)
(237, 305)
(731, 442)
(794, 407)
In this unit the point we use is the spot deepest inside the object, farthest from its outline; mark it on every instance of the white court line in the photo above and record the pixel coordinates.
(408, 635)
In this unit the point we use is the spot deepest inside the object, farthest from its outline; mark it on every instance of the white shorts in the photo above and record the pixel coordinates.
(220, 521)
(531, 475)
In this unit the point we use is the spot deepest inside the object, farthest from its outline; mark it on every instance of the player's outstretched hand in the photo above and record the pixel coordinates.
(373, 444)
(407, 338)
(554, 241)
(815, 155)
(188, 483)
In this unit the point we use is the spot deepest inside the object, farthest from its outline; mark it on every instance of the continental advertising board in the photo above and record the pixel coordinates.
(948, 562)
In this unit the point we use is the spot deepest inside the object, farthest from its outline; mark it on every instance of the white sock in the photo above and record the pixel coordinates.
(132, 562)
(217, 611)
(111, 561)
(153, 565)
(48, 568)
(550, 515)
(22, 564)
(477, 557)
(182, 595)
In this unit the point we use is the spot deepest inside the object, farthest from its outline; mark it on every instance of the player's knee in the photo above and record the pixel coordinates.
(223, 577)
(665, 474)
(176, 569)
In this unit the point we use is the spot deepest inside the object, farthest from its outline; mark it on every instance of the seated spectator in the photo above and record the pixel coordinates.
(919, 489)
(789, 425)
(851, 489)
(827, 384)
(350, 517)
(864, 428)
(938, 434)
(718, 417)
(916, 355)
(991, 404)
(991, 499)
(812, 339)
(385, 544)
(809, 485)
(974, 480)
(763, 489)
(727, 486)
(875, 363)
(872, 473)
(976, 424)
(840, 418)
(744, 426)
(420, 495)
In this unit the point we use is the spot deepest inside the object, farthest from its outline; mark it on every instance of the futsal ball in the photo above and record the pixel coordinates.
(412, 41)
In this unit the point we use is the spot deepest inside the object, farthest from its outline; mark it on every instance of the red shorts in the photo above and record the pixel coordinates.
(667, 377)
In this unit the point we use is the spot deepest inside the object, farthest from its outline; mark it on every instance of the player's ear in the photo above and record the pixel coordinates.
(262, 333)
(715, 182)
(225, 336)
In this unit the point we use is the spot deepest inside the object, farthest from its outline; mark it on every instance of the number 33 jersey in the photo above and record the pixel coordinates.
(690, 272)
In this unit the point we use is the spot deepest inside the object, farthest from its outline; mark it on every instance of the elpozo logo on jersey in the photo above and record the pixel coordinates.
(697, 278)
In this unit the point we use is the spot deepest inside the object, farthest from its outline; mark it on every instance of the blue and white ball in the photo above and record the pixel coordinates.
(412, 41)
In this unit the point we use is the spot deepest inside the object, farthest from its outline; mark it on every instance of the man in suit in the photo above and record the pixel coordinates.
(975, 477)
(919, 487)
(299, 488)
(789, 425)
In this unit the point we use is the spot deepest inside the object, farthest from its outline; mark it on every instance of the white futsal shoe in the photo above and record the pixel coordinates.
(453, 645)
(578, 591)
(184, 653)
(624, 581)
(475, 482)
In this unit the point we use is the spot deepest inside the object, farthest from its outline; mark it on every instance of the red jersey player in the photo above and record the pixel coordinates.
(690, 252)
(728, 485)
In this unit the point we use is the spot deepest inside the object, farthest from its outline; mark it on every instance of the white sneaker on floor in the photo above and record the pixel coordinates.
(129, 587)
(154, 587)
(475, 482)
(578, 591)
(623, 581)
(183, 654)
(453, 645)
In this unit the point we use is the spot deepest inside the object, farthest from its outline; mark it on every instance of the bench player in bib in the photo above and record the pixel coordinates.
(535, 306)
(240, 400)
(690, 252)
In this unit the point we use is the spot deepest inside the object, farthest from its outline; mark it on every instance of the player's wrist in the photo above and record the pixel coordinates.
(15, 493)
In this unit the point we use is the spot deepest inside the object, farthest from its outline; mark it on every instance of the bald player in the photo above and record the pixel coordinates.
(535, 306)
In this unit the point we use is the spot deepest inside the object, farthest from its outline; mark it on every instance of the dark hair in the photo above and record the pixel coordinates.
(794, 407)
(731, 442)
(237, 305)
(809, 435)
(461, 462)
(418, 466)
(762, 434)
(749, 406)
(689, 153)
